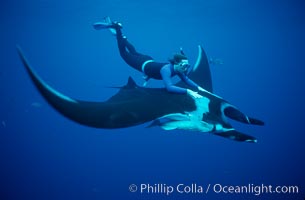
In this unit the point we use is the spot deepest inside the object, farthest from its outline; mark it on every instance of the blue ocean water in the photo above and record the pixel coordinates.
(46, 156)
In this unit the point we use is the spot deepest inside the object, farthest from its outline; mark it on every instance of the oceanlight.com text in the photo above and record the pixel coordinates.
(255, 189)
(194, 188)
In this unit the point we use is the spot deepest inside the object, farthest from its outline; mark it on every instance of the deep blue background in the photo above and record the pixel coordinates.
(45, 156)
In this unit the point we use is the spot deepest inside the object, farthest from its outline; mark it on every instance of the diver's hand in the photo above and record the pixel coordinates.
(193, 94)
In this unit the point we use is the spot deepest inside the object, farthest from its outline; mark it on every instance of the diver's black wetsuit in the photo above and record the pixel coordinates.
(136, 59)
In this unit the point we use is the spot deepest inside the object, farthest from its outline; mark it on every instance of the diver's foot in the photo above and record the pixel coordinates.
(115, 26)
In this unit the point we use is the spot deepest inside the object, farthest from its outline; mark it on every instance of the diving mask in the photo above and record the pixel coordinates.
(182, 66)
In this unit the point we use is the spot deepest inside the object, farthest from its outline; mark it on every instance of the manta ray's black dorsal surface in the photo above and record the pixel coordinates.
(134, 105)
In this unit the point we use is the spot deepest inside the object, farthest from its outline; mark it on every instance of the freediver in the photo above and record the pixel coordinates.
(178, 65)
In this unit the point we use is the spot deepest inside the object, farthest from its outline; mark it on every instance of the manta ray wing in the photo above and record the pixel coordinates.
(132, 105)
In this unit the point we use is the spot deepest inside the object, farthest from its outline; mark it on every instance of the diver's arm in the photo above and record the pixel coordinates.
(191, 83)
(166, 76)
(188, 81)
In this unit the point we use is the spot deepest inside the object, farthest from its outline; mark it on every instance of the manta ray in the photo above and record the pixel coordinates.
(134, 105)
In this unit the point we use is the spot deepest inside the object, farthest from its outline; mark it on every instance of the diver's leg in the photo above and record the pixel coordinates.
(130, 47)
(122, 43)
(115, 29)
(123, 39)
(128, 51)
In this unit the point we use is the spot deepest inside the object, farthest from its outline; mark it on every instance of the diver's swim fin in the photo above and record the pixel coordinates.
(101, 25)
(106, 24)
